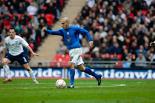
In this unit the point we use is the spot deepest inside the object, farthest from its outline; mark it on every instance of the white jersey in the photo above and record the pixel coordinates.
(15, 46)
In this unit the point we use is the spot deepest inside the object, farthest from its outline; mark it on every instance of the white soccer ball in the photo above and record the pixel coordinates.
(60, 83)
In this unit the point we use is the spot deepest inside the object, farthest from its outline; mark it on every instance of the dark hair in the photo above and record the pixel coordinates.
(12, 28)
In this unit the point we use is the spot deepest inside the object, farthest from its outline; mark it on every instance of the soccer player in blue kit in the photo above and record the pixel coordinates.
(71, 39)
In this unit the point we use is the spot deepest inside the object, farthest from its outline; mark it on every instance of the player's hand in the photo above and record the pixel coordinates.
(91, 44)
(44, 29)
(34, 54)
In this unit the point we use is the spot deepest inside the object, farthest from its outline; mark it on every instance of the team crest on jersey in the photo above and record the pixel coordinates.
(67, 33)
(68, 37)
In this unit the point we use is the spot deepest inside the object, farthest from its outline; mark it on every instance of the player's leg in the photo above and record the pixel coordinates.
(7, 71)
(28, 68)
(23, 60)
(74, 56)
(72, 74)
(88, 70)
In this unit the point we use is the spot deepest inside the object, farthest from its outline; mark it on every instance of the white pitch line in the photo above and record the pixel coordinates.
(30, 83)
(52, 87)
(24, 84)
(113, 85)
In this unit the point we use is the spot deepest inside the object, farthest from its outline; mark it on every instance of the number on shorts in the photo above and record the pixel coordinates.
(24, 59)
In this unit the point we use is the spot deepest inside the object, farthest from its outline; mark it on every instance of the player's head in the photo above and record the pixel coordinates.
(64, 22)
(12, 33)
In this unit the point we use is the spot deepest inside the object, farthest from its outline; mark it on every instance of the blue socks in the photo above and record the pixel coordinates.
(72, 73)
(90, 72)
(87, 70)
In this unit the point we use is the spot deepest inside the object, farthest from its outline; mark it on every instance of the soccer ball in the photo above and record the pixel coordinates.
(60, 83)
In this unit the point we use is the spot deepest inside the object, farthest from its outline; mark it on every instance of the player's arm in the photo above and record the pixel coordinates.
(52, 32)
(3, 43)
(4, 52)
(31, 51)
(3, 55)
(88, 36)
(25, 44)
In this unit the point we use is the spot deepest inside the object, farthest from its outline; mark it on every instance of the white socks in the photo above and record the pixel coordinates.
(7, 71)
(33, 76)
(7, 74)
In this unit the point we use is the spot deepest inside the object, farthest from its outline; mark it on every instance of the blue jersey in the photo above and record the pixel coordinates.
(71, 36)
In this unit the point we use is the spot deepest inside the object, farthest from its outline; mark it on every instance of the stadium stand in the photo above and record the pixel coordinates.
(28, 17)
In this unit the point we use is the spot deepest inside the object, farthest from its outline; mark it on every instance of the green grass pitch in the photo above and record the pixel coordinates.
(86, 91)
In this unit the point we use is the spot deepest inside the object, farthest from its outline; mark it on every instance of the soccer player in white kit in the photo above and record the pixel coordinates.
(14, 44)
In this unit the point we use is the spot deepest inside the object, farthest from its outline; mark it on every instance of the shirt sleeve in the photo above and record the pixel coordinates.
(85, 33)
(54, 32)
(23, 42)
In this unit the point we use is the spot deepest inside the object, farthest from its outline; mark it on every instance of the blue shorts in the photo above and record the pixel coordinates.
(21, 58)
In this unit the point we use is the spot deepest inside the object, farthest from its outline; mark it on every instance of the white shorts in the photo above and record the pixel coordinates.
(75, 55)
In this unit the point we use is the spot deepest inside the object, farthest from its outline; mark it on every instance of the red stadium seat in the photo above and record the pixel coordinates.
(60, 60)
(119, 56)
(50, 19)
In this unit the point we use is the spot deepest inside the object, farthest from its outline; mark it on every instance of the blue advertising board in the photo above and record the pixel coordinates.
(64, 73)
(39, 72)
